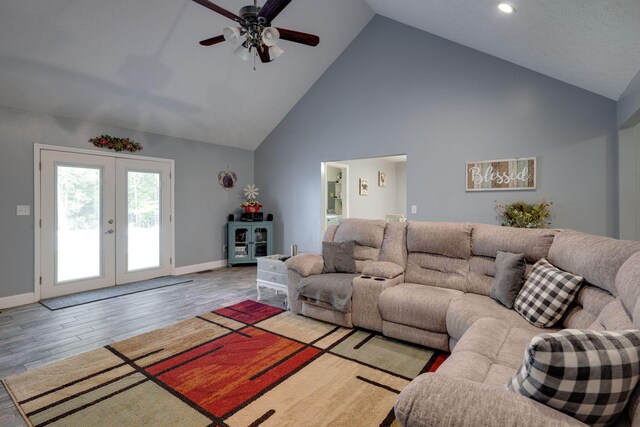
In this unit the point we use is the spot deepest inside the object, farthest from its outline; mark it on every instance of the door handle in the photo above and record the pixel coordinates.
(109, 231)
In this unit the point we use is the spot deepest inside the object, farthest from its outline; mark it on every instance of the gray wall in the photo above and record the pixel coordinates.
(201, 204)
(396, 89)
(629, 104)
(629, 173)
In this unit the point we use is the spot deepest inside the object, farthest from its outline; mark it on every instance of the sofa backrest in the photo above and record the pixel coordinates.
(628, 286)
(487, 240)
(368, 234)
(607, 298)
(394, 245)
(438, 254)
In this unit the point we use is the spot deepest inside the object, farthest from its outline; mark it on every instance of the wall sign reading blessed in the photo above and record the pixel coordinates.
(503, 174)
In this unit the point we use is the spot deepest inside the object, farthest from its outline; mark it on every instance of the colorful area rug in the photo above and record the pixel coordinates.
(245, 365)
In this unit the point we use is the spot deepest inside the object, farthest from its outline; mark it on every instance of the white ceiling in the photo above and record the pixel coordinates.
(137, 64)
(592, 44)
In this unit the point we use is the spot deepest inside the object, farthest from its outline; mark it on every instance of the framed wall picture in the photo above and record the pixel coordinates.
(503, 174)
(364, 186)
(382, 179)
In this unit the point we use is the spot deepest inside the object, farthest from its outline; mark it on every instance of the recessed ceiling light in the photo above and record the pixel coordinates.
(506, 8)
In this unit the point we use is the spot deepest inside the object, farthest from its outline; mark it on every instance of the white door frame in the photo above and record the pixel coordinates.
(323, 192)
(37, 149)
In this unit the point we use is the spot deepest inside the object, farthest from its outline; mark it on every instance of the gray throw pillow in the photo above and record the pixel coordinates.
(338, 257)
(509, 278)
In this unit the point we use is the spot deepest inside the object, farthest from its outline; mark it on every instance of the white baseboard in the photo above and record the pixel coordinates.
(16, 300)
(188, 269)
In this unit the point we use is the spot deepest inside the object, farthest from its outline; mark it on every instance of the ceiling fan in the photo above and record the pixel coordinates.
(255, 33)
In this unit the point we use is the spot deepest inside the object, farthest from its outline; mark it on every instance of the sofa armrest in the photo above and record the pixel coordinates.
(366, 294)
(384, 269)
(438, 400)
(306, 264)
(298, 267)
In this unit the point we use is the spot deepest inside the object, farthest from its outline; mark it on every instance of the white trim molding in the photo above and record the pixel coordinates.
(188, 269)
(16, 300)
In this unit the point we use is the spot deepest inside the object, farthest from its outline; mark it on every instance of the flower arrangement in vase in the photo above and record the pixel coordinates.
(525, 215)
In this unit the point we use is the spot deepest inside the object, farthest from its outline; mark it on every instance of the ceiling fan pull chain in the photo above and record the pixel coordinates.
(254, 60)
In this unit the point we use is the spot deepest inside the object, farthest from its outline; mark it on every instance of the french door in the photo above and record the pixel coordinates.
(105, 221)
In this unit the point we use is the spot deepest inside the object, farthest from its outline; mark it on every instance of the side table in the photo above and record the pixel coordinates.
(272, 273)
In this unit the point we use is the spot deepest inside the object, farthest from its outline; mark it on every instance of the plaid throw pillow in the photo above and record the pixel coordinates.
(546, 294)
(587, 374)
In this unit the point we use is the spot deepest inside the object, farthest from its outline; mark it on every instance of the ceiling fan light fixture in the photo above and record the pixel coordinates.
(252, 34)
(275, 51)
(270, 36)
(506, 8)
(243, 52)
(231, 34)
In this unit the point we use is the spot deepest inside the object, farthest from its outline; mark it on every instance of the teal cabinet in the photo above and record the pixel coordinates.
(247, 241)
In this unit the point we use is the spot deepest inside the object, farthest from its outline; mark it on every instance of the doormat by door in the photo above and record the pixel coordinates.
(66, 301)
(242, 365)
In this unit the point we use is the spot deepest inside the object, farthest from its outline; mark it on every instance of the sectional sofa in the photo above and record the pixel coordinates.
(429, 283)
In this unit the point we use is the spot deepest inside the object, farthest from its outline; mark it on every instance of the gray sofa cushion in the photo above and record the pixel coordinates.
(509, 278)
(487, 240)
(595, 258)
(490, 352)
(466, 309)
(434, 399)
(332, 290)
(338, 257)
(450, 239)
(420, 306)
(627, 283)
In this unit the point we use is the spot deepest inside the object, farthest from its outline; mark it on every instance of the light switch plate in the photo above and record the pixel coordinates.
(23, 210)
(414, 209)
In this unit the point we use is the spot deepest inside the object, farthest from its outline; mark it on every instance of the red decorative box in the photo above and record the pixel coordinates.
(252, 209)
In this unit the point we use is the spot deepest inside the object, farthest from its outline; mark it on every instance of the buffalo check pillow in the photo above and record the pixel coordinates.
(546, 294)
(587, 374)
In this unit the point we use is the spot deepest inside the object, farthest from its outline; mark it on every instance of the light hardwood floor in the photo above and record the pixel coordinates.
(33, 335)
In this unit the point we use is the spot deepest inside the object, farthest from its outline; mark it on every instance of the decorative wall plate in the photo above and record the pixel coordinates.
(227, 179)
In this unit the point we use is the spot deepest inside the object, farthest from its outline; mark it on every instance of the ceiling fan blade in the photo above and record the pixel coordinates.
(218, 9)
(264, 55)
(272, 8)
(298, 37)
(212, 41)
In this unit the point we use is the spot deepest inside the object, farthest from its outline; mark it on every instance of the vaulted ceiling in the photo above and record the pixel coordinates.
(137, 63)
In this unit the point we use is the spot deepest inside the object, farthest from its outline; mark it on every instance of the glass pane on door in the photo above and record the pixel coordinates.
(260, 239)
(77, 221)
(143, 220)
(241, 244)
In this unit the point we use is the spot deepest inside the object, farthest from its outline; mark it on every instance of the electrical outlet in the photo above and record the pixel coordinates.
(414, 209)
(224, 248)
(23, 210)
